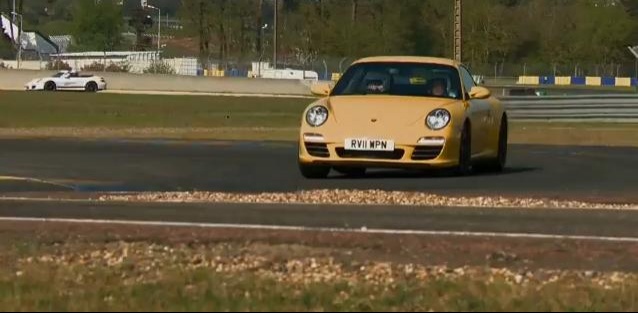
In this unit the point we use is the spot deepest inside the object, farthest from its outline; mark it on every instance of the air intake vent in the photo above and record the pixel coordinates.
(377, 155)
(426, 153)
(319, 150)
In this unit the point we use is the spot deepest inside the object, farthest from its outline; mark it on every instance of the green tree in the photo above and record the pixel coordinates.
(563, 33)
(603, 32)
(436, 17)
(224, 28)
(97, 25)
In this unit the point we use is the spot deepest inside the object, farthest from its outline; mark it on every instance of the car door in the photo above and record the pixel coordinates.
(480, 111)
(64, 81)
(76, 81)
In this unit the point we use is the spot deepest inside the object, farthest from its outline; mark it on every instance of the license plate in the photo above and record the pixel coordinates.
(366, 144)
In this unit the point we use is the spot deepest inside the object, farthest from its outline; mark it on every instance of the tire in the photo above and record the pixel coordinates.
(91, 87)
(314, 171)
(464, 167)
(351, 171)
(50, 86)
(496, 165)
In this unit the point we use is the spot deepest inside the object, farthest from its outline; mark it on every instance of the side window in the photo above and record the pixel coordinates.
(468, 80)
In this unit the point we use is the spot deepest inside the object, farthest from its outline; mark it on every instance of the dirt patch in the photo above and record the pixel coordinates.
(518, 254)
(46, 266)
(579, 134)
(359, 197)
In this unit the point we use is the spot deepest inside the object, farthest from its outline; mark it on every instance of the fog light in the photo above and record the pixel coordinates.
(313, 138)
(431, 141)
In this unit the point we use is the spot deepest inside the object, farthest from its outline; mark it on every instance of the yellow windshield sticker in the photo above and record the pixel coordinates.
(417, 81)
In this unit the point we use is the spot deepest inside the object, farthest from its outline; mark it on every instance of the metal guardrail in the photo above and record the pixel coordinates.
(607, 108)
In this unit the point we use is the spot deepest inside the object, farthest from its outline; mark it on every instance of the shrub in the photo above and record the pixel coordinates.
(121, 67)
(95, 67)
(159, 68)
(58, 65)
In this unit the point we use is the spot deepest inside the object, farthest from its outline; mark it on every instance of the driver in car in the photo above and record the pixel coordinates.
(438, 87)
(376, 86)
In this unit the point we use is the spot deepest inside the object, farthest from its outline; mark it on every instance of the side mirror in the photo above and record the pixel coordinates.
(479, 93)
(321, 89)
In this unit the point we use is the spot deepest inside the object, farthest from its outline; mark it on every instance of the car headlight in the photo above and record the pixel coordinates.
(438, 119)
(317, 116)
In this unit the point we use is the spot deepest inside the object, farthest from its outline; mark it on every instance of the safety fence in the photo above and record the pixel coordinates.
(578, 81)
(608, 108)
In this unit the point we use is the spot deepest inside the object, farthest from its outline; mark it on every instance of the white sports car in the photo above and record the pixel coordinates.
(67, 80)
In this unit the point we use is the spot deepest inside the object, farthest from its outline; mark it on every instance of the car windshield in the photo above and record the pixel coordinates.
(59, 74)
(400, 79)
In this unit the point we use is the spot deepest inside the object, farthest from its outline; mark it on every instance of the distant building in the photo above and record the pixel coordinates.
(63, 42)
(138, 60)
(265, 70)
(32, 42)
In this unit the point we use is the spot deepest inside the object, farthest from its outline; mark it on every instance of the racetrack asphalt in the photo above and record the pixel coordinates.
(574, 173)
(81, 167)
(613, 225)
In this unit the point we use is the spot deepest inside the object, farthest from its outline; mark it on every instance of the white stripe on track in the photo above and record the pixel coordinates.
(324, 229)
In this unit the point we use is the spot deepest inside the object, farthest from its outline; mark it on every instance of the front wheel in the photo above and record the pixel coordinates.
(314, 171)
(91, 87)
(464, 167)
(497, 164)
(50, 86)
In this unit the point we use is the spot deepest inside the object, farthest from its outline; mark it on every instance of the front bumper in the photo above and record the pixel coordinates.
(31, 87)
(403, 156)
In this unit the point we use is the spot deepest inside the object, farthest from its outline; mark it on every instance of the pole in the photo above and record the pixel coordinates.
(458, 31)
(19, 39)
(261, 46)
(159, 26)
(159, 29)
(634, 51)
(20, 43)
(325, 66)
(274, 58)
(14, 13)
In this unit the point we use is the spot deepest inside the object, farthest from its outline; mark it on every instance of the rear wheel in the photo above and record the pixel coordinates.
(91, 87)
(497, 164)
(50, 86)
(314, 171)
(351, 171)
(465, 152)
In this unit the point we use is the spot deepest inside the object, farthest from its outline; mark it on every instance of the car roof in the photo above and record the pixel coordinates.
(408, 59)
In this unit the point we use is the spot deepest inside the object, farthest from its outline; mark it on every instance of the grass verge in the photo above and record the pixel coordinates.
(66, 288)
(86, 269)
(78, 115)
(79, 110)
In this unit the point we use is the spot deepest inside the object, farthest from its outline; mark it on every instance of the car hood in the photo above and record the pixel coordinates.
(384, 111)
(35, 81)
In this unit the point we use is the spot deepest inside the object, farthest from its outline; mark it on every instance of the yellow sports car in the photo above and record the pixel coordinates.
(403, 112)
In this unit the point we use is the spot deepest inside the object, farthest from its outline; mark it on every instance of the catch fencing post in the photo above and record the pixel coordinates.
(634, 51)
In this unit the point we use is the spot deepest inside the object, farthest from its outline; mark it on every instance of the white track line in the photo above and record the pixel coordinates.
(206, 93)
(34, 180)
(323, 229)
